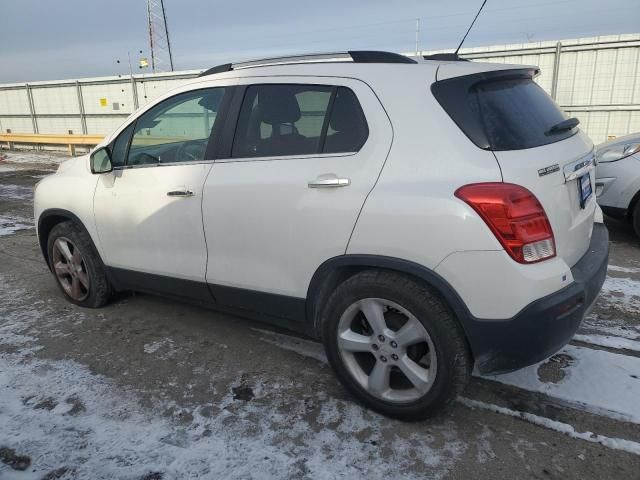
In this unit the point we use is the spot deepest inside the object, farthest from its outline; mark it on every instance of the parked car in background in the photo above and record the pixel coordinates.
(421, 219)
(618, 178)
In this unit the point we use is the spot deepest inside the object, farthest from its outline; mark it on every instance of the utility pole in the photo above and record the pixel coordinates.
(417, 36)
(160, 46)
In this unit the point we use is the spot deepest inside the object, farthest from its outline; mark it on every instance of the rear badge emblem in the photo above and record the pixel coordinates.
(547, 170)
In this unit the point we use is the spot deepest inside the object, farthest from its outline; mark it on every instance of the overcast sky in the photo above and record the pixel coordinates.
(41, 40)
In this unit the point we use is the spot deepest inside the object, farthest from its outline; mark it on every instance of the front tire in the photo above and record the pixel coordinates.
(395, 345)
(77, 267)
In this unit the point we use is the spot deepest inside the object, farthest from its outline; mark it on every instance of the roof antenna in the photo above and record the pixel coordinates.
(469, 29)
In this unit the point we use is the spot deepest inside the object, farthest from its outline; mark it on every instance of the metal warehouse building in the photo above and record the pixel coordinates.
(594, 79)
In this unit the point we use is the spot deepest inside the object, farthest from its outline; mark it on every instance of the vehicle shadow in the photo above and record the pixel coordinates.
(621, 231)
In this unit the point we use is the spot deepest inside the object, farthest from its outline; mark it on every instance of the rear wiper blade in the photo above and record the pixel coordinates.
(567, 124)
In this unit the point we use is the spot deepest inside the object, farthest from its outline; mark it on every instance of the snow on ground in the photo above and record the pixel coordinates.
(615, 268)
(12, 161)
(623, 292)
(86, 423)
(614, 328)
(166, 347)
(598, 381)
(30, 157)
(11, 224)
(580, 387)
(15, 192)
(615, 443)
(610, 341)
(63, 416)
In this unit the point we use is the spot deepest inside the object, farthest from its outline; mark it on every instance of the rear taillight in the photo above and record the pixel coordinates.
(516, 218)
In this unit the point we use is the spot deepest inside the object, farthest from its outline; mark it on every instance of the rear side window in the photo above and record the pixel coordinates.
(501, 113)
(292, 119)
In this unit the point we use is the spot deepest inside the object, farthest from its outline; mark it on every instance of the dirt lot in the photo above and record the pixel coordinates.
(148, 388)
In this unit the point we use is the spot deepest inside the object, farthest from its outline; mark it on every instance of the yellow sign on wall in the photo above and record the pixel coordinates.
(103, 102)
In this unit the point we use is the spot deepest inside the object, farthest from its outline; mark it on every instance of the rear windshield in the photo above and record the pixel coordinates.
(502, 113)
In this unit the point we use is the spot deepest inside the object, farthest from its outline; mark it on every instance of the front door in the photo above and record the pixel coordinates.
(148, 210)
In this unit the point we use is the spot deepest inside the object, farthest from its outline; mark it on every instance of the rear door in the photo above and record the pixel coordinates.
(508, 113)
(306, 153)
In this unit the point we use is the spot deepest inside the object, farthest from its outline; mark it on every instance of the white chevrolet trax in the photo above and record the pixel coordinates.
(420, 218)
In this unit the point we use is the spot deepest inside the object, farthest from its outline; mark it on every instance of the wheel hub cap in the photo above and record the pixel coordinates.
(70, 269)
(387, 350)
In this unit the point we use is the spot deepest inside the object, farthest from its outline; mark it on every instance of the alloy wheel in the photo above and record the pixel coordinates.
(70, 269)
(387, 350)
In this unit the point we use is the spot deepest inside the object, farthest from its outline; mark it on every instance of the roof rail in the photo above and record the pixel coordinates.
(219, 69)
(445, 56)
(373, 56)
(355, 56)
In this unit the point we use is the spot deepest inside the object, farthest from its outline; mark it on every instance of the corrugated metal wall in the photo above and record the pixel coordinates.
(594, 79)
(89, 105)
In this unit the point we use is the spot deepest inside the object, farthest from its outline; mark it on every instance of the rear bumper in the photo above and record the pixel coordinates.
(546, 325)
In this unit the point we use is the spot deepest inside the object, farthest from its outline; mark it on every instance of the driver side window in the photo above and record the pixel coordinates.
(176, 130)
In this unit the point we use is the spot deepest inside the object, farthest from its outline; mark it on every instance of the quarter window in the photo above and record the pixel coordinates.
(348, 128)
(176, 130)
(291, 119)
(120, 146)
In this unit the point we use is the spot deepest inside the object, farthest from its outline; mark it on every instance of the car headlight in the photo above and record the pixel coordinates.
(617, 152)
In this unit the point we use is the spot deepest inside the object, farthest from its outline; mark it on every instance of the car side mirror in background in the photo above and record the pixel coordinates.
(101, 161)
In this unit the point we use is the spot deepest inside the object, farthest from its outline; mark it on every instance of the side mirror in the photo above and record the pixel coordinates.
(101, 161)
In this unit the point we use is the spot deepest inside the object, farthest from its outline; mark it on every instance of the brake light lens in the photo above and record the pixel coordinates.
(516, 218)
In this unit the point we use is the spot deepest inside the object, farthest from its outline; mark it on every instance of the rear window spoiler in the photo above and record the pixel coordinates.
(448, 93)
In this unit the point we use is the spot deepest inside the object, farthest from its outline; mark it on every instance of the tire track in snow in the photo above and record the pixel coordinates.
(528, 381)
(564, 428)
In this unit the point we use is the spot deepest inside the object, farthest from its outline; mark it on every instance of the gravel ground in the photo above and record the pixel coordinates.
(148, 388)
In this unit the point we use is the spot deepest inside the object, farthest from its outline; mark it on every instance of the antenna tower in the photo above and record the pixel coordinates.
(161, 59)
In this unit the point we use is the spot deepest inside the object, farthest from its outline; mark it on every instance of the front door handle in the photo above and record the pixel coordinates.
(329, 181)
(180, 192)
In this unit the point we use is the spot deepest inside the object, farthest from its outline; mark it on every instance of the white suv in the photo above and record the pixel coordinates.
(420, 218)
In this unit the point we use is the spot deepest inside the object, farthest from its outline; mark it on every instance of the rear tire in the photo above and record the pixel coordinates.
(635, 218)
(77, 267)
(406, 357)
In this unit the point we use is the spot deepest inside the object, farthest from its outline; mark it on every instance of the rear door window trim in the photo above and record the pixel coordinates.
(229, 135)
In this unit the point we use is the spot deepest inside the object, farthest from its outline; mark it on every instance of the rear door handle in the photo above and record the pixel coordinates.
(329, 181)
(180, 192)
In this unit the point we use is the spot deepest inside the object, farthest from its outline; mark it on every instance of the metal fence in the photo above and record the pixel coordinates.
(84, 106)
(594, 79)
